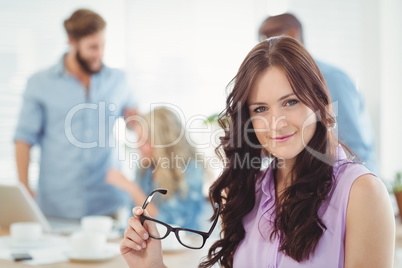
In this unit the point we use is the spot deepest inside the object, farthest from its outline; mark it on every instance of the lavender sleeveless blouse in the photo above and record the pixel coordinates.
(257, 250)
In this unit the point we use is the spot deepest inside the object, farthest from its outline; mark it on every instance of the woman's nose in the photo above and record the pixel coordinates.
(278, 121)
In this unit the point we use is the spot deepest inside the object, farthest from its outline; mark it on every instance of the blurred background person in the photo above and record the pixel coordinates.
(167, 161)
(67, 110)
(353, 122)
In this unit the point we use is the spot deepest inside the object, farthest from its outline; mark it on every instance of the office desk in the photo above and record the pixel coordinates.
(180, 259)
(185, 258)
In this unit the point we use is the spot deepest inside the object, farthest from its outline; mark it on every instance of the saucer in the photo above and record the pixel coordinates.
(114, 235)
(99, 257)
(42, 242)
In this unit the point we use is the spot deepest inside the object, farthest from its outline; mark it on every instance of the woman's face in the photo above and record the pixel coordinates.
(282, 123)
(144, 144)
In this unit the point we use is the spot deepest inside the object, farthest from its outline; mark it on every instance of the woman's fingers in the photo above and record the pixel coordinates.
(136, 247)
(150, 225)
(135, 235)
(137, 211)
(132, 235)
(127, 245)
(135, 223)
(137, 232)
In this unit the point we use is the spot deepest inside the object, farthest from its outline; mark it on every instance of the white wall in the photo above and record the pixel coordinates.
(185, 52)
(389, 104)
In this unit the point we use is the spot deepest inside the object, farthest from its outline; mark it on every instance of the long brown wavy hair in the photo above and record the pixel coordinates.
(297, 223)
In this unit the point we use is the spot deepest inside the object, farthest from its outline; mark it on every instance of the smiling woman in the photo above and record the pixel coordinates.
(312, 207)
(296, 211)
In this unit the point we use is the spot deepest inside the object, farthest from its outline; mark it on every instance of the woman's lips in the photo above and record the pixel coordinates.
(283, 138)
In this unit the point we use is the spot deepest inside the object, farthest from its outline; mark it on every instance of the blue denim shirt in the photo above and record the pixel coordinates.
(183, 211)
(353, 123)
(74, 132)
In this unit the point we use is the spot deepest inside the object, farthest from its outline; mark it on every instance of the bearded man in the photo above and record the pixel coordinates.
(69, 111)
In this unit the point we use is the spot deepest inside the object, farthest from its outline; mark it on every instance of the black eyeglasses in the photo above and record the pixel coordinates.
(189, 238)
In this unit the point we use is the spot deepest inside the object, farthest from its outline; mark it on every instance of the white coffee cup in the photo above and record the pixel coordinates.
(88, 244)
(25, 231)
(102, 224)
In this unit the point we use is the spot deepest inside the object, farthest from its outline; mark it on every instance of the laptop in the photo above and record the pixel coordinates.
(17, 205)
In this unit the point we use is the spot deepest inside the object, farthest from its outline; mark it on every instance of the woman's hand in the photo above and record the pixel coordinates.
(137, 248)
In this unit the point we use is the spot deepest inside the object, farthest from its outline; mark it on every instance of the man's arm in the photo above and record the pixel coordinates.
(29, 127)
(22, 153)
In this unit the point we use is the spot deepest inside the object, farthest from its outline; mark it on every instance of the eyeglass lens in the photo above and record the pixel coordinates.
(187, 238)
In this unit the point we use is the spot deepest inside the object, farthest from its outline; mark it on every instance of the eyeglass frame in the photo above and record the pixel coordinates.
(175, 230)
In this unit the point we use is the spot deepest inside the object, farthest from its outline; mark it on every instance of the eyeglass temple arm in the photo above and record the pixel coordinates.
(217, 209)
(149, 198)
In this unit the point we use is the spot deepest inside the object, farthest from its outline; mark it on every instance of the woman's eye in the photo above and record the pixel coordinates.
(291, 102)
(260, 109)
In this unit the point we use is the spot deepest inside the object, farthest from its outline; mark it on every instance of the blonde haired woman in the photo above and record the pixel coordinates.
(167, 161)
